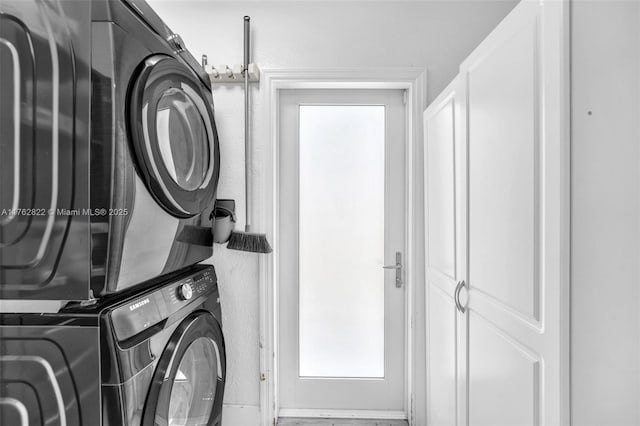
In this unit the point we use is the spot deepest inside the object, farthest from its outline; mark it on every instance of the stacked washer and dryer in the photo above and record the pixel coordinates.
(109, 163)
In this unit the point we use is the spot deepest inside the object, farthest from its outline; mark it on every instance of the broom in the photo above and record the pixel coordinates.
(247, 240)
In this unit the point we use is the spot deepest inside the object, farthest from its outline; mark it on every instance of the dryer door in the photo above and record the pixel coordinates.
(45, 86)
(188, 383)
(174, 136)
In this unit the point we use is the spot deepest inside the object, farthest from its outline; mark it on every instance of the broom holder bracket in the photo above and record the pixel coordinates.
(231, 74)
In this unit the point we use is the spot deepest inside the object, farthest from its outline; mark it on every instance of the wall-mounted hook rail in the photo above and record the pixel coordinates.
(225, 74)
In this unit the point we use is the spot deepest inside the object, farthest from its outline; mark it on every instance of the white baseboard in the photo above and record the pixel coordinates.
(240, 415)
(342, 414)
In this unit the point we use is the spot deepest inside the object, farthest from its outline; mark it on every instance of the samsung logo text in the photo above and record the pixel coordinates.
(138, 304)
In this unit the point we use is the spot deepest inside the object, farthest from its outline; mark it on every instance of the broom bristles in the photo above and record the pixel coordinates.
(249, 241)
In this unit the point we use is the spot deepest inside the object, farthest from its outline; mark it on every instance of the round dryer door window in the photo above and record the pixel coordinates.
(178, 120)
(174, 135)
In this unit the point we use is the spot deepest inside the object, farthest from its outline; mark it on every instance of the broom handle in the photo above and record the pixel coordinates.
(247, 148)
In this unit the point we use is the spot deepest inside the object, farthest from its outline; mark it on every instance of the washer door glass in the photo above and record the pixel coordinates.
(194, 385)
(173, 135)
(178, 121)
(188, 383)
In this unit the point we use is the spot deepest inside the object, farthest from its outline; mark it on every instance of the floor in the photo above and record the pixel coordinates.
(340, 422)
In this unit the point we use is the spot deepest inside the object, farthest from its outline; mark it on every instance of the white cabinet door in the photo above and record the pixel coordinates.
(517, 194)
(444, 143)
(497, 203)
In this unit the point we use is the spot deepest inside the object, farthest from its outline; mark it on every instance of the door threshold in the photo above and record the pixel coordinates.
(324, 414)
(291, 421)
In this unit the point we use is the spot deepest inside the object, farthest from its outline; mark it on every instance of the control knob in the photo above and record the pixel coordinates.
(185, 292)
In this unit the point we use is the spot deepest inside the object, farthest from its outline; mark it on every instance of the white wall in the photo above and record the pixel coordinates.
(605, 213)
(436, 35)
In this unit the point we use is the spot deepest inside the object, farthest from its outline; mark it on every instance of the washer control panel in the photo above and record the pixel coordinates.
(142, 312)
(190, 287)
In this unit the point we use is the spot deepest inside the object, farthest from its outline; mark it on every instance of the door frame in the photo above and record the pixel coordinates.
(266, 180)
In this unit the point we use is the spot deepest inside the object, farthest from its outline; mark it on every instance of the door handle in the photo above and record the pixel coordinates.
(398, 268)
(456, 297)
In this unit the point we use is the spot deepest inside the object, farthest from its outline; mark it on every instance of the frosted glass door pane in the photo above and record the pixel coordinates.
(341, 280)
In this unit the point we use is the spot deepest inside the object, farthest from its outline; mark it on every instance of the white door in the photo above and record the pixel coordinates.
(341, 218)
(445, 263)
(498, 322)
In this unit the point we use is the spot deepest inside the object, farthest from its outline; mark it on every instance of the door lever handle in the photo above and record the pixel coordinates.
(398, 268)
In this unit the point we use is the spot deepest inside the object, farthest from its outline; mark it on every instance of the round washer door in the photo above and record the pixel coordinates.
(174, 136)
(188, 383)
